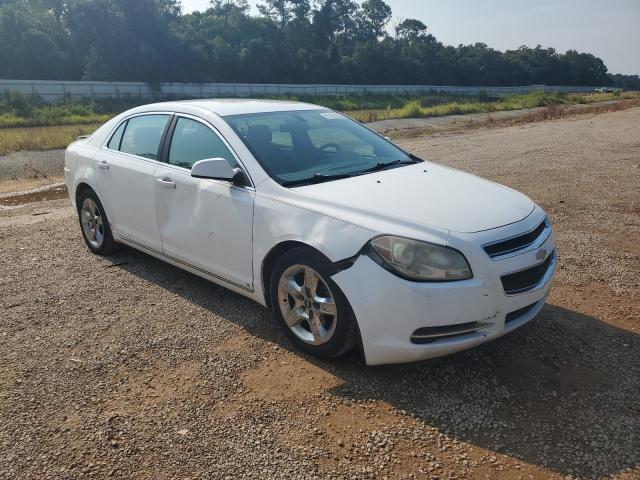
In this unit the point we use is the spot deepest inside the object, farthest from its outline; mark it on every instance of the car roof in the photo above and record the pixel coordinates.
(240, 106)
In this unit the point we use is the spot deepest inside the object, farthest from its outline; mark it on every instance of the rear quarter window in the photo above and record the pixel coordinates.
(116, 138)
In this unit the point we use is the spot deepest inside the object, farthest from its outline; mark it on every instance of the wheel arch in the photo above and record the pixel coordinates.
(280, 249)
(80, 189)
(270, 260)
(84, 185)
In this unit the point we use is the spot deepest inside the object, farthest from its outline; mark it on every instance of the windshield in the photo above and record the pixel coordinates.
(298, 147)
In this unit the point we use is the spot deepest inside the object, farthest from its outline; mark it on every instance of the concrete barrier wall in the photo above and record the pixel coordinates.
(52, 90)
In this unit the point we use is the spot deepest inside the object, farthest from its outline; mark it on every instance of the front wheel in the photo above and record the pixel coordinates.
(310, 307)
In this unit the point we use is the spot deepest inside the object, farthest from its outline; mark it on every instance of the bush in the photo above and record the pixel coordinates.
(17, 104)
(484, 97)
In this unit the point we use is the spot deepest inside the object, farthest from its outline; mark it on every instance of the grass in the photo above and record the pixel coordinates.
(16, 110)
(41, 138)
(373, 102)
(8, 120)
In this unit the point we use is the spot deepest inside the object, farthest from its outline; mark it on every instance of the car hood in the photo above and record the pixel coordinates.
(425, 194)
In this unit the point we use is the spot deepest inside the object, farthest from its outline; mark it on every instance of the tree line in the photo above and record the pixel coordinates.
(288, 41)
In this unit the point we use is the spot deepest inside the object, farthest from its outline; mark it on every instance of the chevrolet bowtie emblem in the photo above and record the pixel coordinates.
(541, 254)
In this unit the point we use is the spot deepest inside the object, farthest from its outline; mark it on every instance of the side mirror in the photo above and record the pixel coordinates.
(218, 169)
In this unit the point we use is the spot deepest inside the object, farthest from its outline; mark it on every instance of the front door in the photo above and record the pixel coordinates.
(206, 224)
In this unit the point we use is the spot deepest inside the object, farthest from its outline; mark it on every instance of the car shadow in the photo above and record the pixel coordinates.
(560, 392)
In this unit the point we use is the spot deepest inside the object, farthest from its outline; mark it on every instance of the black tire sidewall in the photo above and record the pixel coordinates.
(346, 333)
(108, 244)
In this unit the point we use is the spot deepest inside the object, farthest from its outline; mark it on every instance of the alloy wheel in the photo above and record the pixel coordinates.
(307, 304)
(92, 224)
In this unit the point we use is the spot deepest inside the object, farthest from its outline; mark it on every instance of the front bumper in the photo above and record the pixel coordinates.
(390, 309)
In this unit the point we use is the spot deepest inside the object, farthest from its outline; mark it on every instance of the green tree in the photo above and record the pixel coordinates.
(373, 17)
(31, 43)
(411, 30)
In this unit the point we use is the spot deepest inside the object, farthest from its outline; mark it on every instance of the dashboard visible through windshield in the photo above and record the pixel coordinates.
(309, 146)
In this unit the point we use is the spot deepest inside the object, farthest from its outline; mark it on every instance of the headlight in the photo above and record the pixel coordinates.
(419, 261)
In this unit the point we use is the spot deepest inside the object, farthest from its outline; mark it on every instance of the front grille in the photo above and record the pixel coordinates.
(525, 280)
(515, 244)
(516, 314)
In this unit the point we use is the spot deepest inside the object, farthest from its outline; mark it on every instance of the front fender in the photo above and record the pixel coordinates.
(276, 222)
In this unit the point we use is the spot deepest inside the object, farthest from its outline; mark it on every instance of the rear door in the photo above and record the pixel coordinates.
(126, 169)
(206, 224)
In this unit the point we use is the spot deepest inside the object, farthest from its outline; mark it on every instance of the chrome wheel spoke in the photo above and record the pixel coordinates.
(310, 282)
(293, 318)
(98, 235)
(292, 288)
(326, 306)
(317, 328)
(86, 217)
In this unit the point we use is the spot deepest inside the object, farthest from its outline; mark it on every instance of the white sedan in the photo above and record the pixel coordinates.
(350, 240)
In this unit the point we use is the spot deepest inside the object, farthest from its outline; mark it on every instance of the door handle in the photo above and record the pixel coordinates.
(103, 164)
(166, 182)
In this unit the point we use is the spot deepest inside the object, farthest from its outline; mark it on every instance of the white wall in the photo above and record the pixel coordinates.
(51, 90)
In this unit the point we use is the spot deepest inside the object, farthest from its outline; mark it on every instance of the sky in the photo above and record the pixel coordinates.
(609, 29)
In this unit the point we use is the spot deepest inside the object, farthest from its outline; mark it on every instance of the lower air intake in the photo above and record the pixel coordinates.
(431, 334)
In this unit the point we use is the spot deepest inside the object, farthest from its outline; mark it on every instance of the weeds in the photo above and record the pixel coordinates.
(416, 109)
(41, 138)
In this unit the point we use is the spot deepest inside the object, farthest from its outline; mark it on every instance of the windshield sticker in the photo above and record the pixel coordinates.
(331, 116)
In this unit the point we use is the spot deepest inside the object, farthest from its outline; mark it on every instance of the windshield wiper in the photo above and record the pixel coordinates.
(384, 165)
(317, 178)
(323, 177)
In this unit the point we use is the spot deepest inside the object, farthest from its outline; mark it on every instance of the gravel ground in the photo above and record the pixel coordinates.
(126, 367)
(19, 165)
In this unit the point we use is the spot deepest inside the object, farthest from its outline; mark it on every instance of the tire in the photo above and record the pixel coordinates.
(94, 224)
(307, 304)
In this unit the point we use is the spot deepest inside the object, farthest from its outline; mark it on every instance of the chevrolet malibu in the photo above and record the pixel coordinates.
(347, 238)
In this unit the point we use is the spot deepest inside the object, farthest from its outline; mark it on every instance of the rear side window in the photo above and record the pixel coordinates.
(193, 141)
(114, 143)
(142, 135)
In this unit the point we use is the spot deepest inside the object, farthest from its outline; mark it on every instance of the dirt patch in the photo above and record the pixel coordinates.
(288, 376)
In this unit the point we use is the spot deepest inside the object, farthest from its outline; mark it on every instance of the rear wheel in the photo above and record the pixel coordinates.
(310, 307)
(94, 224)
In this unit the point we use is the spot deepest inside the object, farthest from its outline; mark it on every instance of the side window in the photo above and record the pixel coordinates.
(142, 135)
(114, 143)
(193, 141)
